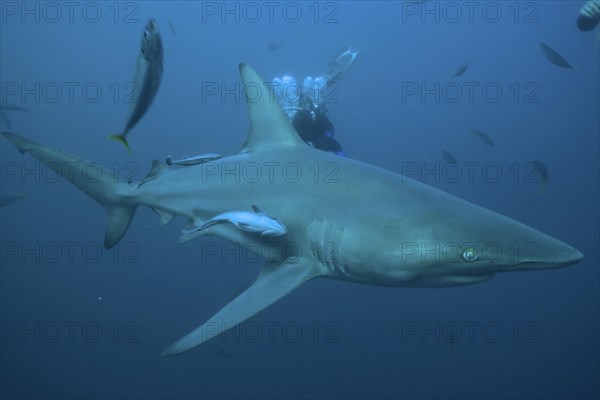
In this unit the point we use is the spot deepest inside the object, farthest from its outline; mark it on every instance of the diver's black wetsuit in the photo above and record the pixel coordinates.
(316, 129)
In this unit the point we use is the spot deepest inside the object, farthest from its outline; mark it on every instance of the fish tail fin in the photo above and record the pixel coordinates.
(121, 138)
(101, 184)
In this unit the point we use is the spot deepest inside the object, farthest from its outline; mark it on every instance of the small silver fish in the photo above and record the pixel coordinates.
(542, 173)
(5, 119)
(450, 159)
(171, 27)
(273, 46)
(186, 161)
(484, 137)
(460, 70)
(11, 107)
(554, 57)
(6, 200)
(256, 222)
(147, 79)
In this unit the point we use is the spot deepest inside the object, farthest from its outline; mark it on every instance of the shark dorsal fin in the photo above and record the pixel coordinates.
(269, 125)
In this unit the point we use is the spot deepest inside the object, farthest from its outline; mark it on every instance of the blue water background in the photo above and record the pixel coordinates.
(535, 333)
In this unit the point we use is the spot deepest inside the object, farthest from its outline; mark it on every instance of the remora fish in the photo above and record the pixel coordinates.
(362, 224)
(254, 222)
(147, 78)
(460, 70)
(553, 56)
(187, 161)
(483, 137)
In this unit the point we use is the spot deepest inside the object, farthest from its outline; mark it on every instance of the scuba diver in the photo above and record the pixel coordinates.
(305, 105)
(589, 15)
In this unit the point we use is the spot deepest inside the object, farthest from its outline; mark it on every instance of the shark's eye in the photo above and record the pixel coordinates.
(470, 255)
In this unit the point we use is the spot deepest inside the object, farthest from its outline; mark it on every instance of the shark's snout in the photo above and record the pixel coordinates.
(552, 253)
(534, 250)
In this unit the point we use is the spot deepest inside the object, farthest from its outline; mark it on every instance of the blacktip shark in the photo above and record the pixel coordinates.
(345, 219)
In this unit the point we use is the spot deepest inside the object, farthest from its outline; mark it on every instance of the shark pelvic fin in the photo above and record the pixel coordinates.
(274, 282)
(165, 216)
(269, 125)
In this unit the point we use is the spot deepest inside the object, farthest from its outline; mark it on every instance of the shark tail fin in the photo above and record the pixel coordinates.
(121, 138)
(97, 182)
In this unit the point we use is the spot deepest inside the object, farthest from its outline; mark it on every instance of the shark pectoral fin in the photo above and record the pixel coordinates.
(274, 282)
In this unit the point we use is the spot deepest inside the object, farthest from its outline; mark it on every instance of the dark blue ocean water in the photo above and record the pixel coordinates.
(79, 321)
